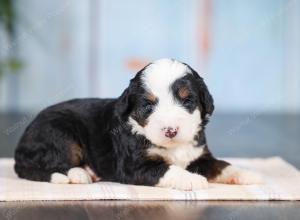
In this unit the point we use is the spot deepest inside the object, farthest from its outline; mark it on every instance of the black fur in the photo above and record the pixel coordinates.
(97, 133)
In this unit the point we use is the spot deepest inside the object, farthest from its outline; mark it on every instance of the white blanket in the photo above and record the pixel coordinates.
(281, 182)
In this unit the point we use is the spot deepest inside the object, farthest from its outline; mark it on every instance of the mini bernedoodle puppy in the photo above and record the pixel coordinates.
(153, 135)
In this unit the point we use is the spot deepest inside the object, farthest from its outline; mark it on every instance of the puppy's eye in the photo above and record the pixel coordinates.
(148, 104)
(188, 101)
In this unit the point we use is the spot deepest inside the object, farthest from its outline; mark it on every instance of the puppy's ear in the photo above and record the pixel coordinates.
(125, 103)
(205, 98)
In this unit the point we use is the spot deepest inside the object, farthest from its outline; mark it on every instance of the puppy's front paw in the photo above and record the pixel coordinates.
(235, 175)
(78, 175)
(178, 178)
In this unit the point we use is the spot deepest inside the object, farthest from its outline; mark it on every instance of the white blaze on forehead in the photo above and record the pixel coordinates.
(162, 73)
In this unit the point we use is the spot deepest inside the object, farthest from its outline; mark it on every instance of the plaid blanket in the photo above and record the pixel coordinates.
(281, 182)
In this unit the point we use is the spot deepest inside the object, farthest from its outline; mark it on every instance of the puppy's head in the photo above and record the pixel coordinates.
(167, 102)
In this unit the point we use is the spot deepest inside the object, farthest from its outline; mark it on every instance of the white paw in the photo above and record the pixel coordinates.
(178, 178)
(59, 178)
(245, 177)
(235, 175)
(78, 175)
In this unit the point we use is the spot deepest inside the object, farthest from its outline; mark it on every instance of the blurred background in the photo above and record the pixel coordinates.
(248, 52)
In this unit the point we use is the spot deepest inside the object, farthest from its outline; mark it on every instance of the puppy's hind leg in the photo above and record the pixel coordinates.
(236, 175)
(59, 178)
(76, 175)
(219, 171)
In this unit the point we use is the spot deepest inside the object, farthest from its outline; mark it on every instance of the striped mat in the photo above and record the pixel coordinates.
(281, 182)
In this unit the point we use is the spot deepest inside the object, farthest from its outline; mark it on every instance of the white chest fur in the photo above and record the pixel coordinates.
(179, 156)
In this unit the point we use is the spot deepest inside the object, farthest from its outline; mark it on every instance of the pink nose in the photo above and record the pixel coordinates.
(170, 132)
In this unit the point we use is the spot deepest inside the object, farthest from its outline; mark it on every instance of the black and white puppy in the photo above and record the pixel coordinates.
(153, 134)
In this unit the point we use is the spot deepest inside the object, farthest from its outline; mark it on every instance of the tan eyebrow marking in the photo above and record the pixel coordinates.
(183, 92)
(151, 97)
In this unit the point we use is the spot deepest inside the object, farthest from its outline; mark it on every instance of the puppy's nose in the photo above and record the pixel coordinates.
(170, 132)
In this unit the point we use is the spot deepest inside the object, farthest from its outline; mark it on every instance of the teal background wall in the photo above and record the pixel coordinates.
(248, 51)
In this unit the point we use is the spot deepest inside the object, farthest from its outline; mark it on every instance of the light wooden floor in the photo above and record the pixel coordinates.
(150, 210)
(248, 135)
